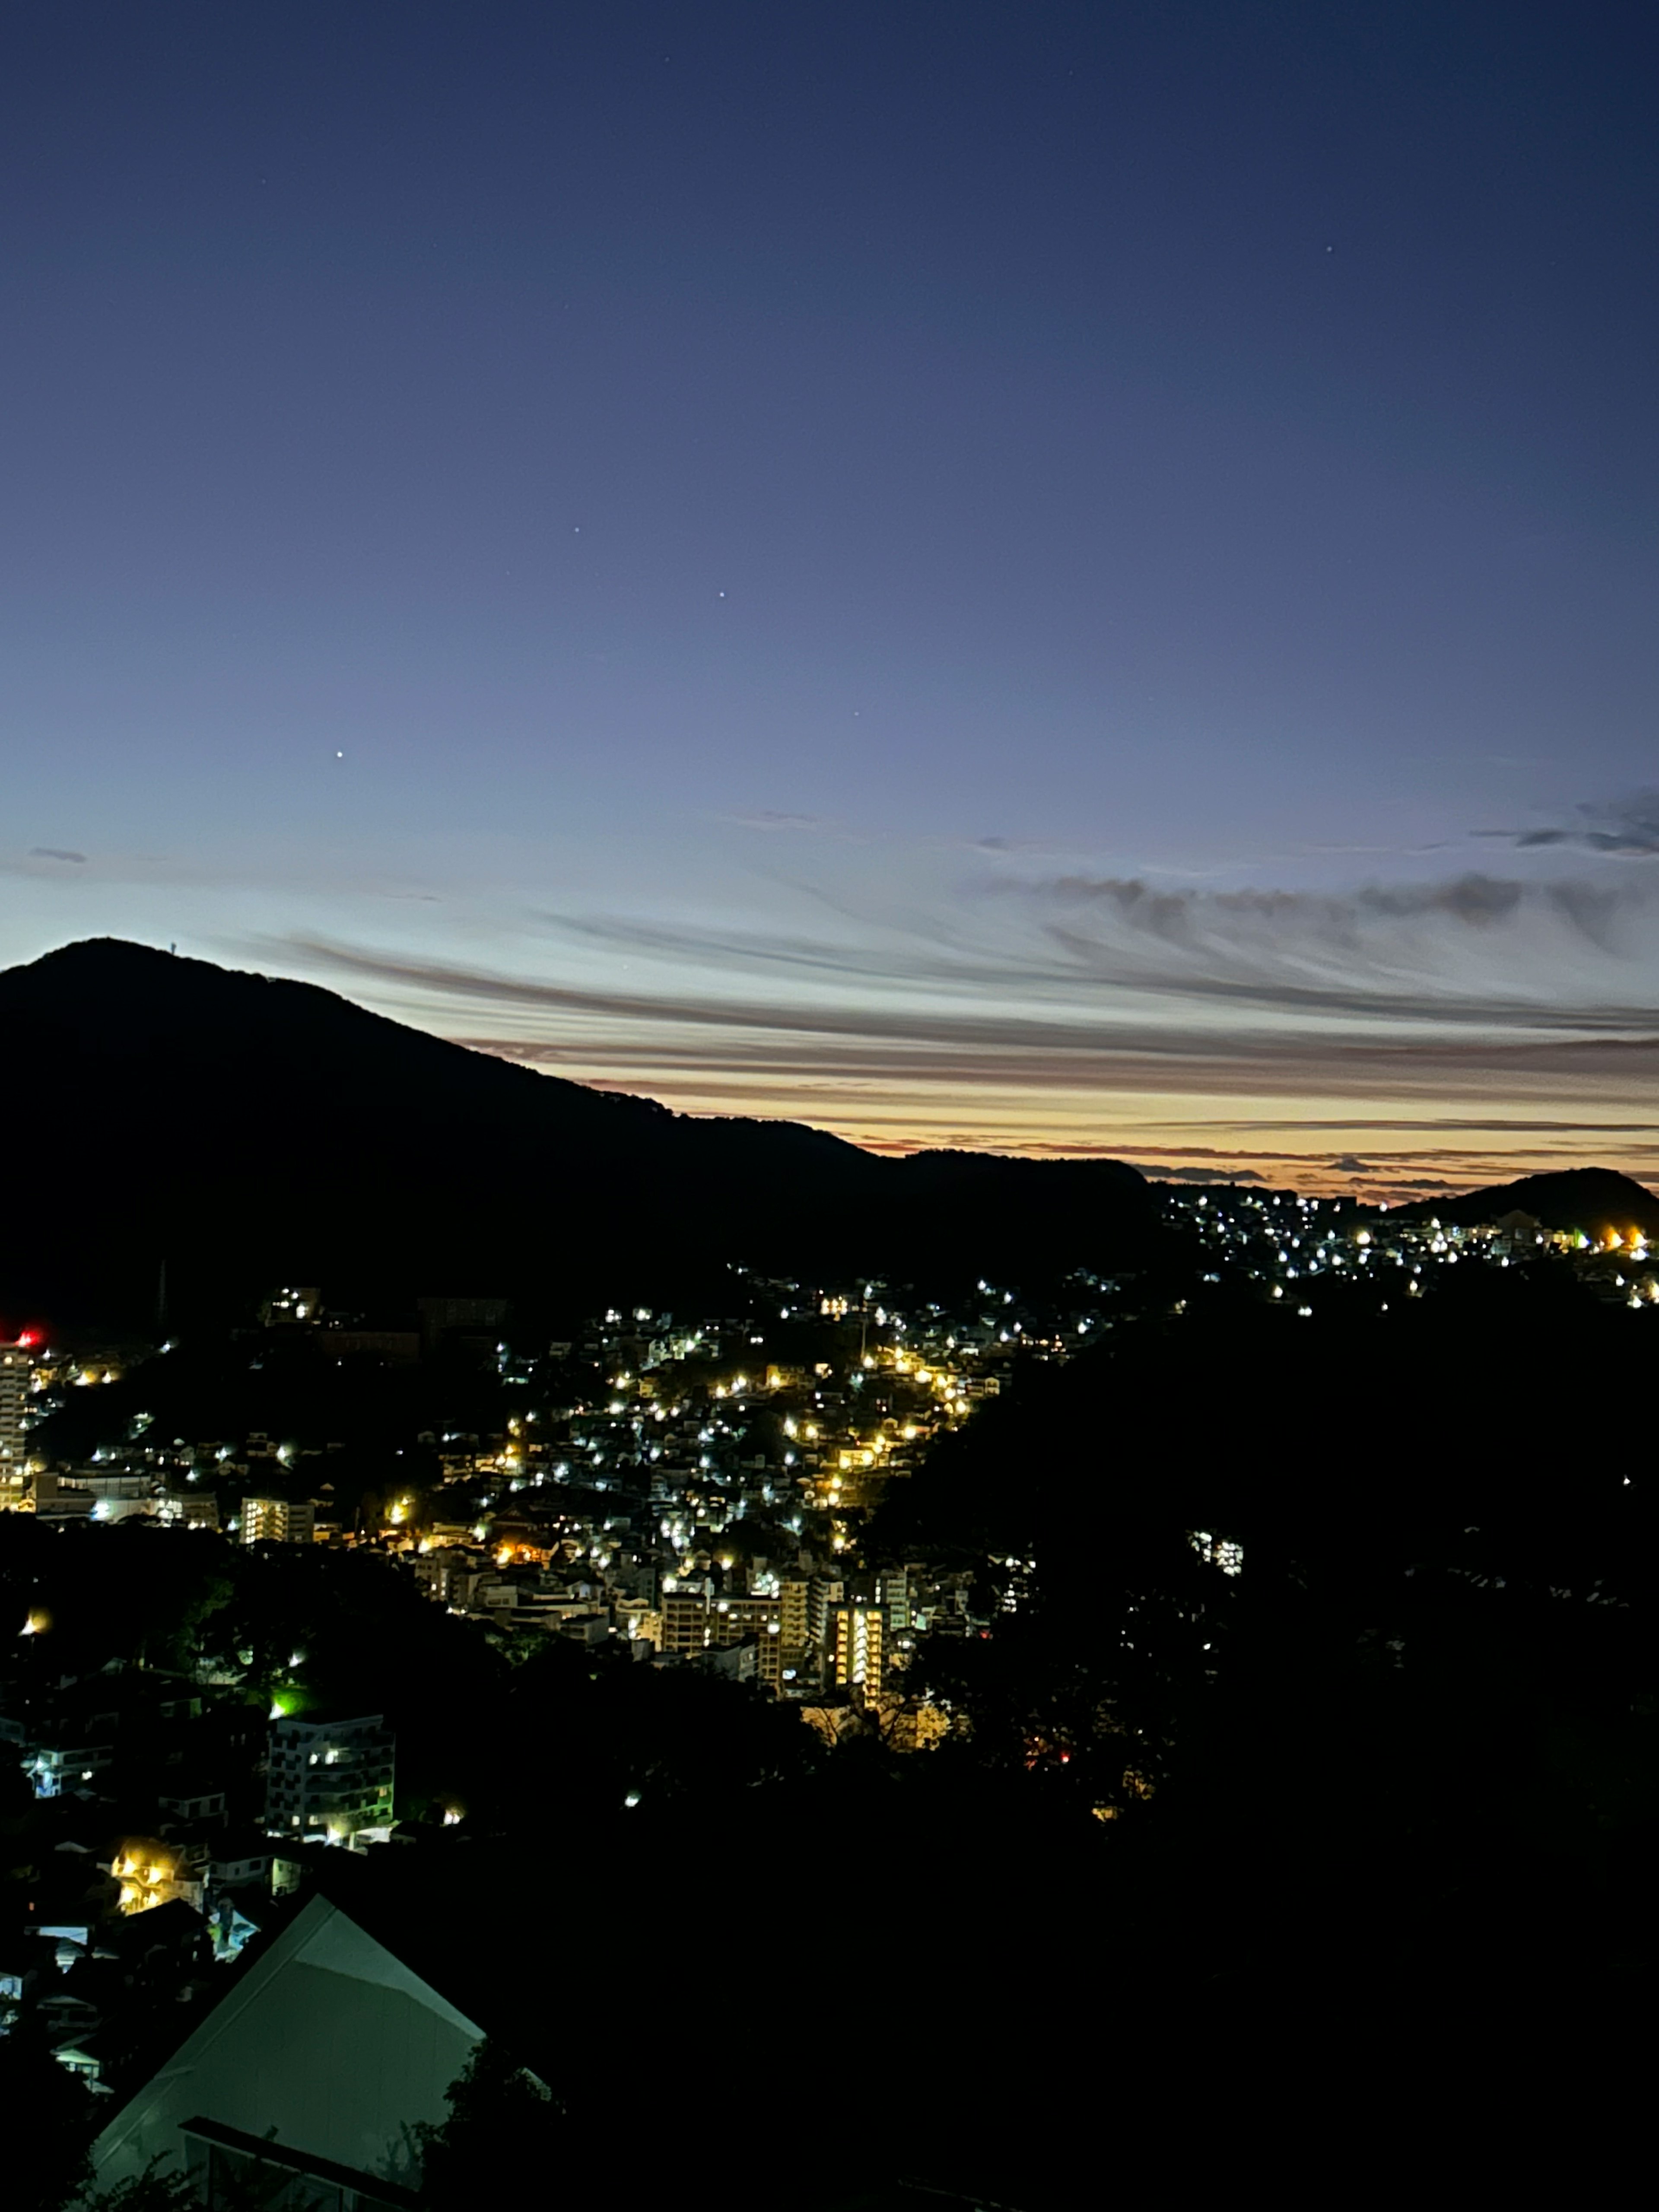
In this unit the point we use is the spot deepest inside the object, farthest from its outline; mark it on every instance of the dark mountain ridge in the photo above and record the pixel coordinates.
(1591, 1198)
(247, 1130)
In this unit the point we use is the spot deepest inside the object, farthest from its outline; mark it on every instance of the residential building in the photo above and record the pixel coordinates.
(57, 1499)
(64, 1763)
(733, 1619)
(13, 1392)
(246, 1859)
(894, 1587)
(189, 1509)
(116, 1494)
(684, 1623)
(197, 1804)
(328, 1778)
(278, 1520)
(803, 1612)
(152, 1873)
(859, 1647)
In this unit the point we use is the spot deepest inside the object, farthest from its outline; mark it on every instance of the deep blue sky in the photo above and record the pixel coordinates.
(965, 571)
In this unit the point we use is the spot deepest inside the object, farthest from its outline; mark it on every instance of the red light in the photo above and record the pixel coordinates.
(28, 1338)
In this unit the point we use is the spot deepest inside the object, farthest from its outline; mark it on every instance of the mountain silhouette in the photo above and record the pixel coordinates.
(246, 1130)
(1590, 1198)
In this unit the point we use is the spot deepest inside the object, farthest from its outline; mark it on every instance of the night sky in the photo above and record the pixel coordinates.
(1059, 578)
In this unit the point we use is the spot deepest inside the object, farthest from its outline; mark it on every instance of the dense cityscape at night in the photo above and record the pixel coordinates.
(340, 1599)
(830, 989)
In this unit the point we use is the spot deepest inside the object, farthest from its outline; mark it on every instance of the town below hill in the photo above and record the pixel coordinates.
(438, 1499)
(1098, 1630)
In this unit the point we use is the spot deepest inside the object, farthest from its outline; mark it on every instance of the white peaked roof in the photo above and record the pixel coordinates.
(327, 2037)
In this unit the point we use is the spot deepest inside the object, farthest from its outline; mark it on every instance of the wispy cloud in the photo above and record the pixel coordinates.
(1079, 1012)
(1372, 926)
(1625, 828)
(1217, 1174)
(56, 853)
(1500, 1125)
(1341, 1041)
(1541, 954)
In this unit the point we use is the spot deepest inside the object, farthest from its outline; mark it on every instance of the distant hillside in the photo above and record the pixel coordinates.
(1590, 1198)
(249, 1130)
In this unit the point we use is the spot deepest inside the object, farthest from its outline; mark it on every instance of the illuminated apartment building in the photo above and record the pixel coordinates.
(692, 1624)
(278, 1520)
(732, 1619)
(860, 1646)
(684, 1623)
(13, 1392)
(894, 1588)
(804, 1612)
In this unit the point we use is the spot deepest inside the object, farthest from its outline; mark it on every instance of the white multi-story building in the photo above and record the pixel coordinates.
(278, 1520)
(14, 1395)
(328, 1778)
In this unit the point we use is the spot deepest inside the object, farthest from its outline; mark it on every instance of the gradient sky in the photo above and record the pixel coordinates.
(1064, 577)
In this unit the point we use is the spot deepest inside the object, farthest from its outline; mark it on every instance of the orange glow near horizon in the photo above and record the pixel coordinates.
(1374, 1148)
(1116, 1046)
